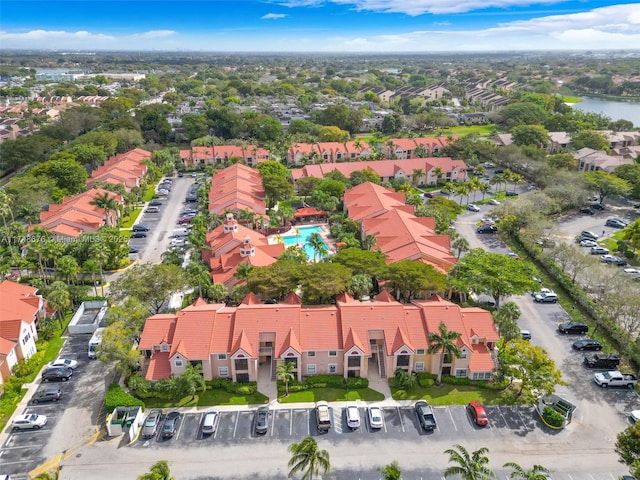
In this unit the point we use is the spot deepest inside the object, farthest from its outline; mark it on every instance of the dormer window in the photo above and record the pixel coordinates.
(230, 224)
(247, 249)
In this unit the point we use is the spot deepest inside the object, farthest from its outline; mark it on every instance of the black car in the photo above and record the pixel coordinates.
(138, 235)
(170, 426)
(57, 374)
(155, 203)
(262, 420)
(615, 223)
(487, 229)
(180, 174)
(425, 415)
(573, 327)
(587, 344)
(587, 211)
(511, 194)
(596, 206)
(191, 199)
(51, 394)
(140, 227)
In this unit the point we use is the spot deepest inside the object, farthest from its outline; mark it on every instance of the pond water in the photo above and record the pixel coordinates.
(614, 109)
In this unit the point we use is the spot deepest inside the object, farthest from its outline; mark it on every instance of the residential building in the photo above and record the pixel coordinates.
(127, 169)
(590, 160)
(351, 338)
(237, 188)
(20, 310)
(198, 157)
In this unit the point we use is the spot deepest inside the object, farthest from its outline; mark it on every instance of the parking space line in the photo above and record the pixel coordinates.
(236, 424)
(400, 416)
(384, 424)
(290, 423)
(523, 422)
(273, 421)
(307, 422)
(452, 421)
(23, 446)
(500, 412)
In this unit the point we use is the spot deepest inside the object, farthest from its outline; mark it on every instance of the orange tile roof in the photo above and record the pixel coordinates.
(400, 341)
(243, 343)
(19, 303)
(368, 200)
(290, 341)
(6, 346)
(159, 366)
(352, 340)
(157, 329)
(10, 329)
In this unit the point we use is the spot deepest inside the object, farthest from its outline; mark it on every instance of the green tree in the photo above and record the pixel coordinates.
(505, 319)
(628, 447)
(361, 285)
(276, 280)
(534, 135)
(218, 292)
(276, 188)
(151, 284)
(107, 202)
(306, 457)
(495, 274)
(537, 472)
(332, 134)
(323, 281)
(191, 382)
(630, 173)
(391, 471)
(117, 347)
(158, 471)
(468, 466)
(65, 171)
(409, 278)
(89, 155)
(316, 242)
(589, 139)
(531, 366)
(59, 299)
(67, 267)
(607, 185)
(195, 125)
(444, 343)
(285, 372)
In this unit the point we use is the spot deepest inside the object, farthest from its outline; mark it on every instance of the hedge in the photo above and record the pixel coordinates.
(117, 397)
(552, 417)
(323, 381)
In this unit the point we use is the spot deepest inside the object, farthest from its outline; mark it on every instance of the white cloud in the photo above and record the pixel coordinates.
(273, 16)
(60, 39)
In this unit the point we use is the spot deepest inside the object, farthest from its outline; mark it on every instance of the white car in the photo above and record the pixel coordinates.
(634, 272)
(29, 421)
(473, 208)
(599, 251)
(488, 220)
(178, 242)
(353, 416)
(64, 362)
(375, 417)
(588, 243)
(493, 201)
(635, 416)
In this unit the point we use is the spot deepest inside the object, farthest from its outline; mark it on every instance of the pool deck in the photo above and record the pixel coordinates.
(325, 233)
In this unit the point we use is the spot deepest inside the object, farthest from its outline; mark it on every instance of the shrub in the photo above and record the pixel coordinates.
(222, 383)
(552, 417)
(451, 380)
(117, 397)
(140, 386)
(30, 367)
(243, 388)
(426, 380)
(357, 382)
(331, 380)
(493, 384)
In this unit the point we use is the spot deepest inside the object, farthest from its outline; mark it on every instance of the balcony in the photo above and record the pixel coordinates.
(242, 365)
(265, 351)
(353, 362)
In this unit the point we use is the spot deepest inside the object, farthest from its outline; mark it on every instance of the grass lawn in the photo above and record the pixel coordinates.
(454, 395)
(127, 222)
(148, 195)
(571, 99)
(329, 394)
(462, 130)
(208, 398)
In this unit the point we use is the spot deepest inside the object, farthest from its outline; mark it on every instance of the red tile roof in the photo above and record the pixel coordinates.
(6, 346)
(20, 303)
(159, 366)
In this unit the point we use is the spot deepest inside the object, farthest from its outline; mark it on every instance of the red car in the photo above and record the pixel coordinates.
(478, 414)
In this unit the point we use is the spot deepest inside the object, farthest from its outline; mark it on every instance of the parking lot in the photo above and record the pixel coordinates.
(288, 425)
(25, 449)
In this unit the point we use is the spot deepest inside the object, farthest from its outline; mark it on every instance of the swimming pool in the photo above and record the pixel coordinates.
(303, 235)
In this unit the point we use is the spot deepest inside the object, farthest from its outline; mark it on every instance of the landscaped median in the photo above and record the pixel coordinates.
(330, 388)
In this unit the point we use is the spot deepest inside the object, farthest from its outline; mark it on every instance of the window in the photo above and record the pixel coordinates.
(481, 376)
(223, 371)
(419, 366)
(26, 338)
(311, 354)
(333, 368)
(420, 351)
(463, 354)
(178, 363)
(461, 372)
(164, 347)
(333, 353)
(222, 356)
(311, 368)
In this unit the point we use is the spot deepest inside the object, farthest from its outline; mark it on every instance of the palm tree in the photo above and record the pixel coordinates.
(107, 203)
(416, 175)
(91, 267)
(5, 207)
(243, 270)
(67, 267)
(445, 344)
(448, 187)
(391, 471)
(438, 173)
(59, 299)
(474, 185)
(514, 178)
(537, 472)
(286, 374)
(308, 458)
(369, 242)
(498, 179)
(460, 245)
(158, 471)
(469, 467)
(319, 248)
(484, 189)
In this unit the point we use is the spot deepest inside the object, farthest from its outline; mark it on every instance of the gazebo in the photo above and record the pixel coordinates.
(310, 214)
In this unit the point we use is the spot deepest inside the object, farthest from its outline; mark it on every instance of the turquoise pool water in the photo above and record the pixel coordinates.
(304, 234)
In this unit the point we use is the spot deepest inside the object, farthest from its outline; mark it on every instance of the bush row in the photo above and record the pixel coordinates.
(612, 330)
(323, 381)
(117, 397)
(248, 388)
(426, 380)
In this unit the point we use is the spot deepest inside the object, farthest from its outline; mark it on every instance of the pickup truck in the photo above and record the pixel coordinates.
(425, 416)
(604, 361)
(615, 379)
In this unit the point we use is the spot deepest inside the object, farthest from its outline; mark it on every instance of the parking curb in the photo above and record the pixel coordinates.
(46, 466)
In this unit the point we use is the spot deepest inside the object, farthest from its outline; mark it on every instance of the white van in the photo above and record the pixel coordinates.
(96, 340)
(180, 232)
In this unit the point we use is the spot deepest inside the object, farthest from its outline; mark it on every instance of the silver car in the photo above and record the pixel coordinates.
(29, 422)
(151, 423)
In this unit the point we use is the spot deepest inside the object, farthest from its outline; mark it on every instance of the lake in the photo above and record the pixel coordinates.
(614, 109)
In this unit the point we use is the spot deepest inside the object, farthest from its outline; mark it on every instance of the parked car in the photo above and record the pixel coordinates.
(133, 249)
(493, 201)
(511, 194)
(587, 344)
(155, 203)
(210, 422)
(615, 223)
(151, 423)
(525, 334)
(487, 229)
(170, 425)
(513, 255)
(428, 194)
(478, 414)
(532, 187)
(597, 206)
(599, 251)
(634, 272)
(191, 199)
(612, 259)
(64, 362)
(473, 207)
(587, 211)
(50, 394)
(375, 417)
(353, 416)
(262, 420)
(588, 234)
(543, 290)
(61, 374)
(607, 361)
(185, 220)
(588, 243)
(550, 297)
(488, 221)
(615, 378)
(140, 227)
(573, 328)
(152, 209)
(29, 421)
(426, 418)
(180, 174)
(323, 416)
(138, 235)
(162, 192)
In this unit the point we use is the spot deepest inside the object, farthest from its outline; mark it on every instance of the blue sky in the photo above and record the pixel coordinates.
(375, 26)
